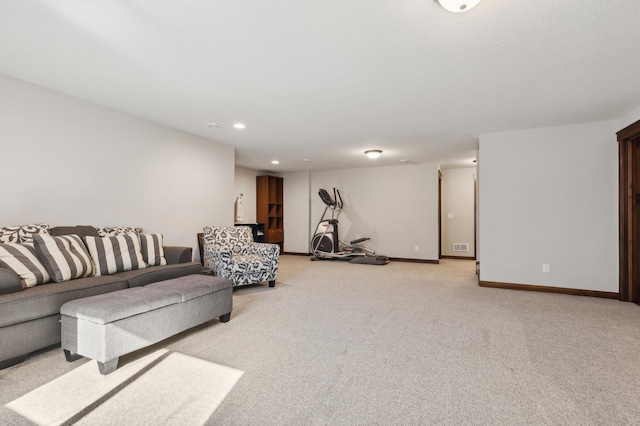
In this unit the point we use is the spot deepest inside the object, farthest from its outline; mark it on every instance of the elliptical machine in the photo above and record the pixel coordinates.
(326, 244)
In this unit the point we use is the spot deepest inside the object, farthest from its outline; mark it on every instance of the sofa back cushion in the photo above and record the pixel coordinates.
(21, 258)
(115, 254)
(64, 257)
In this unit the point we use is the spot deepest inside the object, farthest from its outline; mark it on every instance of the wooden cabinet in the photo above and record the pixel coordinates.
(270, 208)
(257, 229)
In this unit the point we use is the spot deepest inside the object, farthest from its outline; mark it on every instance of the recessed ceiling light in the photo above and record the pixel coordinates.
(373, 153)
(214, 126)
(404, 161)
(275, 162)
(239, 126)
(306, 160)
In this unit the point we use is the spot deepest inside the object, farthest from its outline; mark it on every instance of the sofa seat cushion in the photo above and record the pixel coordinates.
(46, 299)
(248, 269)
(153, 274)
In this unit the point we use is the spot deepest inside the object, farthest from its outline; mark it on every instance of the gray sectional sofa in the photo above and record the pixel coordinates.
(30, 317)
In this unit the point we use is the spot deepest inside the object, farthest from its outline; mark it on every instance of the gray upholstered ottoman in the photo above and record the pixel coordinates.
(106, 326)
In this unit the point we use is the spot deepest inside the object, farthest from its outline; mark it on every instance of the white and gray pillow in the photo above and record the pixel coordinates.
(115, 254)
(9, 234)
(152, 249)
(22, 233)
(116, 231)
(22, 259)
(65, 257)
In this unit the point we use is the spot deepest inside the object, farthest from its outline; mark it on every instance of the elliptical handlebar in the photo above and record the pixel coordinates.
(326, 198)
(334, 203)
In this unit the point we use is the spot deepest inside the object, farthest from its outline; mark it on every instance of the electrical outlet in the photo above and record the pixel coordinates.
(416, 248)
(545, 268)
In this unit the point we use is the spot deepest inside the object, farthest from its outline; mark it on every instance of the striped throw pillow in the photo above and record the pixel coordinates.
(23, 260)
(115, 254)
(65, 257)
(152, 249)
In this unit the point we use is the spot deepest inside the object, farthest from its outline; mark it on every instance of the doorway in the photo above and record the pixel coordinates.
(629, 212)
(457, 213)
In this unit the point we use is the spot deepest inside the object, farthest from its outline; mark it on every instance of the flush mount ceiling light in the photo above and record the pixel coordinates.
(373, 153)
(458, 5)
(239, 126)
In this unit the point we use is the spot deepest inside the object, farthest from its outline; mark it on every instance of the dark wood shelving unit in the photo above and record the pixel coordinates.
(270, 208)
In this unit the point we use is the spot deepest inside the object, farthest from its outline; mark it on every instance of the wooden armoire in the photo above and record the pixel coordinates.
(270, 208)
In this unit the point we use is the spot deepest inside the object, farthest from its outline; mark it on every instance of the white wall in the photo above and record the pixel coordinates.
(630, 118)
(296, 212)
(549, 196)
(245, 184)
(396, 206)
(70, 162)
(296, 204)
(458, 201)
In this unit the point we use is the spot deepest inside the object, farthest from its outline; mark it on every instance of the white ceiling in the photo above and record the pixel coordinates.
(326, 80)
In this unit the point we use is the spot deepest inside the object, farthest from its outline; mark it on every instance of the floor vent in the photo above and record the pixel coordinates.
(460, 247)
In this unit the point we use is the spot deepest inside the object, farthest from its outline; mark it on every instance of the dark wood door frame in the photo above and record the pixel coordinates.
(629, 203)
(439, 214)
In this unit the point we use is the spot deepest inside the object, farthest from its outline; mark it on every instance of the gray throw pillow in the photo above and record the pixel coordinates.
(80, 230)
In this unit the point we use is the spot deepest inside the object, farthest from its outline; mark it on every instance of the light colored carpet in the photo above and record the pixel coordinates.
(405, 343)
(161, 388)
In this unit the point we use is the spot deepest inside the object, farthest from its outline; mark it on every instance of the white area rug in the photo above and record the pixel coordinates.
(163, 387)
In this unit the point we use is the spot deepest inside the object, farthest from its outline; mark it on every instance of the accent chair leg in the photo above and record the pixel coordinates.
(226, 317)
(70, 356)
(108, 367)
(272, 283)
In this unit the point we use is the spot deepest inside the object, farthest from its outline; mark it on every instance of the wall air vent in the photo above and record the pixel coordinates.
(460, 247)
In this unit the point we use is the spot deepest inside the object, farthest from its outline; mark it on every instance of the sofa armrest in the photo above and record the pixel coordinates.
(9, 281)
(175, 254)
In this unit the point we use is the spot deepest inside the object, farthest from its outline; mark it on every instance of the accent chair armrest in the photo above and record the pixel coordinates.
(219, 259)
(272, 251)
(175, 254)
(9, 282)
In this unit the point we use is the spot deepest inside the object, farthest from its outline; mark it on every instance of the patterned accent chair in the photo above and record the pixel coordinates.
(231, 253)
